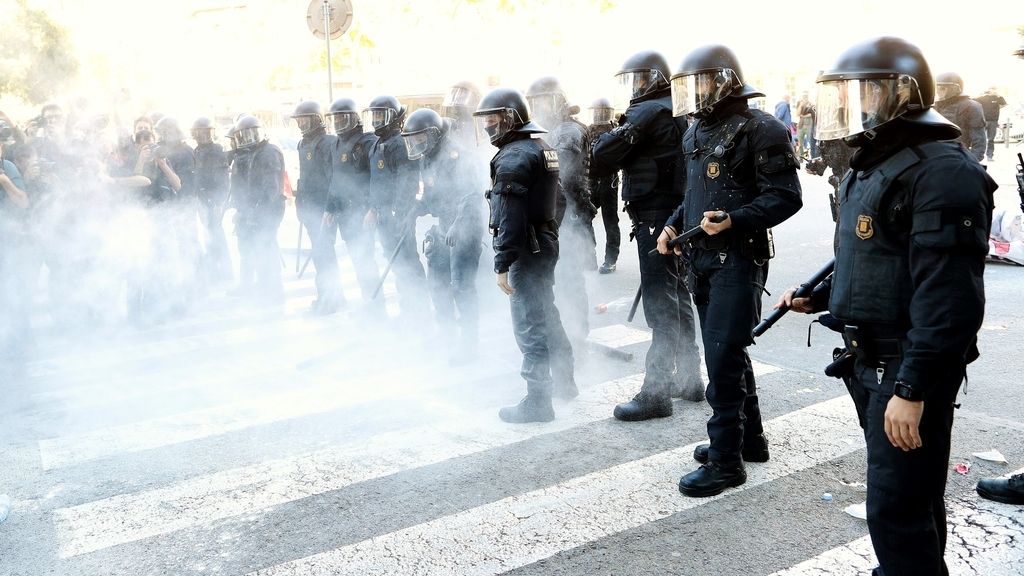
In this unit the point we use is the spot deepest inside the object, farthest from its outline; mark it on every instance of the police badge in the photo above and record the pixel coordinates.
(714, 170)
(344, 157)
(380, 164)
(864, 228)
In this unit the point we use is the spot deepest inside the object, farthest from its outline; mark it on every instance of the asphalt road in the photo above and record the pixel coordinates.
(240, 440)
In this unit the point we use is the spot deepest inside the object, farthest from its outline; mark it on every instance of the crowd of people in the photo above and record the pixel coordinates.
(703, 176)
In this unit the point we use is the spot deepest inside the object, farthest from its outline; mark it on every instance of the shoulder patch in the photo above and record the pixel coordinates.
(551, 160)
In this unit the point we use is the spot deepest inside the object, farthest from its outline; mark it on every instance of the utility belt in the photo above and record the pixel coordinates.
(650, 215)
(757, 246)
(873, 347)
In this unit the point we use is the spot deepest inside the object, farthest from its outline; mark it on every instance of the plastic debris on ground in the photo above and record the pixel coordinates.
(962, 467)
(857, 510)
(618, 304)
(826, 497)
(859, 486)
(5, 507)
(991, 456)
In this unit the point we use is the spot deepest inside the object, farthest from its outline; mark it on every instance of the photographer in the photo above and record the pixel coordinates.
(14, 295)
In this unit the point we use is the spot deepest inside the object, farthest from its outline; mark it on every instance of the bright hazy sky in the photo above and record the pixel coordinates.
(177, 53)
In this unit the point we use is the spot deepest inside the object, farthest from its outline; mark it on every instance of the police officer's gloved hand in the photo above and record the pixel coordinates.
(450, 237)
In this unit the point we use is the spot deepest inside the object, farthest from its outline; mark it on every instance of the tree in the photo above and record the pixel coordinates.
(36, 56)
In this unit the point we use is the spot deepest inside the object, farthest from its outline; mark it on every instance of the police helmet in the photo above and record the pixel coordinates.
(344, 116)
(502, 112)
(202, 130)
(873, 83)
(948, 85)
(643, 73)
(248, 132)
(707, 76)
(308, 116)
(421, 132)
(384, 114)
(167, 130)
(547, 100)
(461, 101)
(602, 111)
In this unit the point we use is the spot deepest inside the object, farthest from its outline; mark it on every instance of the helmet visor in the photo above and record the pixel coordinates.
(546, 108)
(693, 93)
(418, 144)
(460, 97)
(851, 106)
(342, 122)
(602, 115)
(202, 135)
(945, 91)
(246, 137)
(637, 83)
(491, 126)
(379, 117)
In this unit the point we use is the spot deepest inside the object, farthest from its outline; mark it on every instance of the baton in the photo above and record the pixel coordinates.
(803, 291)
(692, 233)
(636, 303)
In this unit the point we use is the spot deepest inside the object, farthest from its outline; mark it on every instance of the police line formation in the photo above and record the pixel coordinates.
(704, 177)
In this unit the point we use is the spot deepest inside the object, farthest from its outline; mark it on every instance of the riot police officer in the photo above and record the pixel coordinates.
(739, 174)
(958, 108)
(524, 186)
(257, 183)
(645, 146)
(574, 211)
(316, 151)
(349, 199)
(604, 186)
(211, 184)
(458, 106)
(394, 184)
(914, 216)
(451, 192)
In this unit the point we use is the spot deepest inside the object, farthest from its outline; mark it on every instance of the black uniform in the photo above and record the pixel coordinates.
(604, 191)
(347, 204)
(574, 213)
(524, 187)
(316, 153)
(211, 185)
(645, 146)
(740, 161)
(451, 191)
(969, 116)
(910, 255)
(394, 183)
(257, 184)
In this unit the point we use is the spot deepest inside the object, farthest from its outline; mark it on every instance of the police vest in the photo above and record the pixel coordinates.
(651, 167)
(314, 171)
(871, 284)
(542, 192)
(350, 169)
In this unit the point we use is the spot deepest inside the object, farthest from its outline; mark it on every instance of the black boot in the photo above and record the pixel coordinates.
(1006, 490)
(607, 267)
(712, 478)
(644, 406)
(687, 386)
(754, 450)
(532, 408)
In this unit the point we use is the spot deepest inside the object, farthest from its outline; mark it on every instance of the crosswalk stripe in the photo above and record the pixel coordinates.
(322, 394)
(983, 537)
(526, 528)
(124, 518)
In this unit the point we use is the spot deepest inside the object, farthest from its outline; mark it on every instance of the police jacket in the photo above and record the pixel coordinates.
(350, 178)
(969, 116)
(316, 151)
(910, 247)
(738, 160)
(571, 141)
(524, 186)
(211, 173)
(394, 179)
(599, 171)
(451, 186)
(257, 180)
(645, 147)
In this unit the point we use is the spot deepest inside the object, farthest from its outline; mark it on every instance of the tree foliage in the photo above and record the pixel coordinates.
(36, 56)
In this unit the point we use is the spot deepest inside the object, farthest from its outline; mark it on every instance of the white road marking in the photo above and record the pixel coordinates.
(526, 528)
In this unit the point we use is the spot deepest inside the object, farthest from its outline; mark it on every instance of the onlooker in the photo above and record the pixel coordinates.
(785, 115)
(805, 142)
(990, 105)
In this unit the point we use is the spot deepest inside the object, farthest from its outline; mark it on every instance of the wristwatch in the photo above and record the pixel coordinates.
(907, 392)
